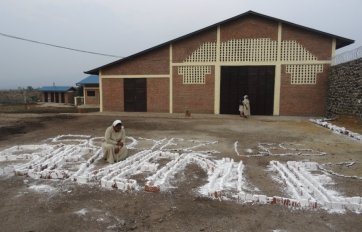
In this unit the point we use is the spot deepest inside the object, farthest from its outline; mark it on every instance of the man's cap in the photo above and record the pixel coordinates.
(116, 122)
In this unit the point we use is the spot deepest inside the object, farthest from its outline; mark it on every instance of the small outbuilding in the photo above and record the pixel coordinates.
(58, 94)
(282, 66)
(90, 86)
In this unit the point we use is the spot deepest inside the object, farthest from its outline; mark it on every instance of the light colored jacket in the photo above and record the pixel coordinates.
(246, 105)
(112, 137)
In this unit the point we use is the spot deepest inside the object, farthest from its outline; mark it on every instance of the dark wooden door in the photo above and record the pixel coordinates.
(135, 95)
(255, 81)
(234, 82)
(62, 99)
(261, 89)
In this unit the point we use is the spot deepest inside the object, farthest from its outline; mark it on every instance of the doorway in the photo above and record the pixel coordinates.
(135, 95)
(255, 81)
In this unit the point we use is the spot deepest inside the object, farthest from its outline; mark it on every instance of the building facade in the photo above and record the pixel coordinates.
(90, 86)
(58, 94)
(281, 66)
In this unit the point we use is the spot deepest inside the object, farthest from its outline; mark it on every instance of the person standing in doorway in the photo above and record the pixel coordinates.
(246, 106)
(241, 107)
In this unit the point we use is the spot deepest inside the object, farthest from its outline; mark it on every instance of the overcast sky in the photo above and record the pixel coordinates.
(125, 27)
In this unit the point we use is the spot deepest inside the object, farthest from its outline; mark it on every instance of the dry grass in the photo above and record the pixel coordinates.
(40, 108)
(349, 122)
(34, 108)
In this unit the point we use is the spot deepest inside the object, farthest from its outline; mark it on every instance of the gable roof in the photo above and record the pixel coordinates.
(56, 88)
(340, 41)
(89, 80)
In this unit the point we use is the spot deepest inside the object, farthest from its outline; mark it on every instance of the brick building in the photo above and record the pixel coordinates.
(90, 86)
(282, 66)
(58, 94)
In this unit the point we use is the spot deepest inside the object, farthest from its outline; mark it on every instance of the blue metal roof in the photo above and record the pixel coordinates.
(56, 88)
(92, 79)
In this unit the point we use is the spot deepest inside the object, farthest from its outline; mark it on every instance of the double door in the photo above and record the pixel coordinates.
(255, 81)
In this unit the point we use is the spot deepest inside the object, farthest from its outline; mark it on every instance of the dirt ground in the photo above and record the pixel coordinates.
(82, 207)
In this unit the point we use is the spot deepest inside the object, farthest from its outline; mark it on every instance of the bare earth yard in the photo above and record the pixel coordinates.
(194, 149)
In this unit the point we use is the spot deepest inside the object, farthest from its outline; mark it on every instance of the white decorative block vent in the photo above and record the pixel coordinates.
(194, 74)
(304, 74)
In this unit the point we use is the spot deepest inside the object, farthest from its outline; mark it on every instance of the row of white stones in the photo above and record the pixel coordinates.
(281, 149)
(225, 176)
(337, 129)
(307, 187)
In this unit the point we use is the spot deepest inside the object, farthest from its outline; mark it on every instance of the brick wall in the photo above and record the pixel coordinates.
(183, 49)
(318, 45)
(303, 100)
(345, 89)
(249, 28)
(198, 98)
(153, 62)
(113, 94)
(68, 97)
(91, 100)
(158, 95)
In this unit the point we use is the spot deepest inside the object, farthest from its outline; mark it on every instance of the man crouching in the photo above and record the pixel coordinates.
(114, 147)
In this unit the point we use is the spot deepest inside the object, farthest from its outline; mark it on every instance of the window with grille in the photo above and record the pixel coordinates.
(304, 74)
(194, 74)
(91, 93)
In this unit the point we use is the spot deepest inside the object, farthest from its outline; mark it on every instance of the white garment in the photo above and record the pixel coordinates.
(241, 108)
(109, 146)
(246, 105)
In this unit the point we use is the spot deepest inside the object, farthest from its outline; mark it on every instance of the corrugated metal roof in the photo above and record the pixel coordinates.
(340, 41)
(56, 88)
(92, 79)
